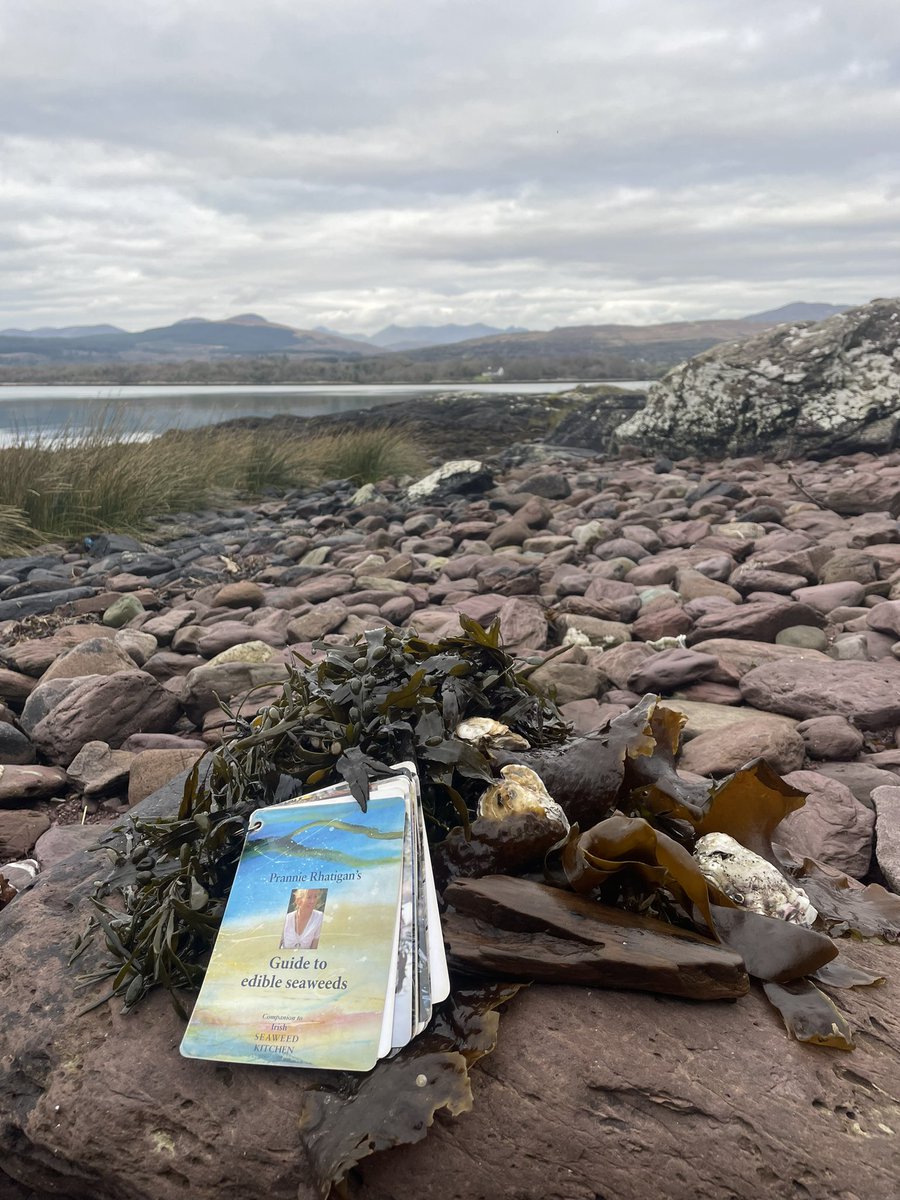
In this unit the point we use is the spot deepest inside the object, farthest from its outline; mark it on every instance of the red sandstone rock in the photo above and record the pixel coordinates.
(107, 709)
(832, 827)
(867, 693)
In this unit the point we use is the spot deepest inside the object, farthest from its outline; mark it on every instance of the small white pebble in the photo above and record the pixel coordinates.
(421, 1080)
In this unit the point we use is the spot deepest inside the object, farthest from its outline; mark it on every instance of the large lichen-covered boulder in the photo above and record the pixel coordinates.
(813, 389)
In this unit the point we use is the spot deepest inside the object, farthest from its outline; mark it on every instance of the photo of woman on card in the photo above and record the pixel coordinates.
(303, 919)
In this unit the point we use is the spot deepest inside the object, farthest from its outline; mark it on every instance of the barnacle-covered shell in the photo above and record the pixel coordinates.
(485, 732)
(750, 881)
(517, 823)
(521, 790)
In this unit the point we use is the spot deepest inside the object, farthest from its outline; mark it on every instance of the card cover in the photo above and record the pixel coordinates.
(304, 968)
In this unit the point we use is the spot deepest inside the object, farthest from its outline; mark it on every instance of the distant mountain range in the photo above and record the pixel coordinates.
(67, 331)
(401, 352)
(798, 311)
(654, 346)
(414, 337)
(193, 338)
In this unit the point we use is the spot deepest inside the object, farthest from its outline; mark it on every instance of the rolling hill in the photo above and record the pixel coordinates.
(416, 337)
(653, 345)
(66, 331)
(800, 310)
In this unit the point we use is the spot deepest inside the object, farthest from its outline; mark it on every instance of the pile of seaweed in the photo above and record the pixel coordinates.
(560, 858)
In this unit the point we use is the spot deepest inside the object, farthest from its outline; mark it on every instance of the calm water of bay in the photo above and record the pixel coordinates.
(142, 411)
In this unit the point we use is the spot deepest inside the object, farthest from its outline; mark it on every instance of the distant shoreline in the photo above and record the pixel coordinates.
(468, 384)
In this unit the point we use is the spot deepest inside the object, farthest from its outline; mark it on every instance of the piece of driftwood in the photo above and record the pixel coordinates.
(517, 929)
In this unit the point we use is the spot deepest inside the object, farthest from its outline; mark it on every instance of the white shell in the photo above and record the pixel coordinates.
(575, 637)
(668, 643)
(483, 731)
(750, 881)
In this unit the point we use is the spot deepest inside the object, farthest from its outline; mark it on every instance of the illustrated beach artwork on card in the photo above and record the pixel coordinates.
(308, 1006)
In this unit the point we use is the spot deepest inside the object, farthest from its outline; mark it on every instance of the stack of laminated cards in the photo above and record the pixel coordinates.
(330, 952)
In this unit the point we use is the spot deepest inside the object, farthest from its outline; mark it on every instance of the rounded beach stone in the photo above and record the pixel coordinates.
(824, 597)
(523, 624)
(19, 784)
(14, 745)
(850, 647)
(15, 687)
(756, 620)
(571, 681)
(806, 637)
(245, 652)
(121, 611)
(671, 669)
(139, 646)
(243, 594)
(830, 738)
(724, 751)
(19, 830)
(104, 708)
(96, 768)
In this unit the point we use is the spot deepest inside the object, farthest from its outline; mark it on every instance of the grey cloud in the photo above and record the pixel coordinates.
(356, 163)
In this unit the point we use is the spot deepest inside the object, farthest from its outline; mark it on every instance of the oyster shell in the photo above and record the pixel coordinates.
(750, 881)
(517, 823)
(485, 732)
(521, 790)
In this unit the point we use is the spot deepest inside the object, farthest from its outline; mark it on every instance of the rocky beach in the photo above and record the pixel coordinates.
(758, 595)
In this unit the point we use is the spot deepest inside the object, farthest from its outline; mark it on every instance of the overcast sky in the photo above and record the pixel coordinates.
(531, 162)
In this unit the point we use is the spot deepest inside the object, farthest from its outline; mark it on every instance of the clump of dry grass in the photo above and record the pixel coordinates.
(16, 533)
(367, 455)
(101, 477)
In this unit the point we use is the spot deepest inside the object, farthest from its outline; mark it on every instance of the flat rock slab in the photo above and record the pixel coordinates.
(514, 928)
(742, 656)
(758, 620)
(35, 655)
(887, 834)
(722, 751)
(703, 717)
(589, 1093)
(627, 1097)
(19, 784)
(866, 693)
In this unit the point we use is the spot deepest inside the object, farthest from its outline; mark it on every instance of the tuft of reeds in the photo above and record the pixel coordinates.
(367, 455)
(103, 477)
(17, 535)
